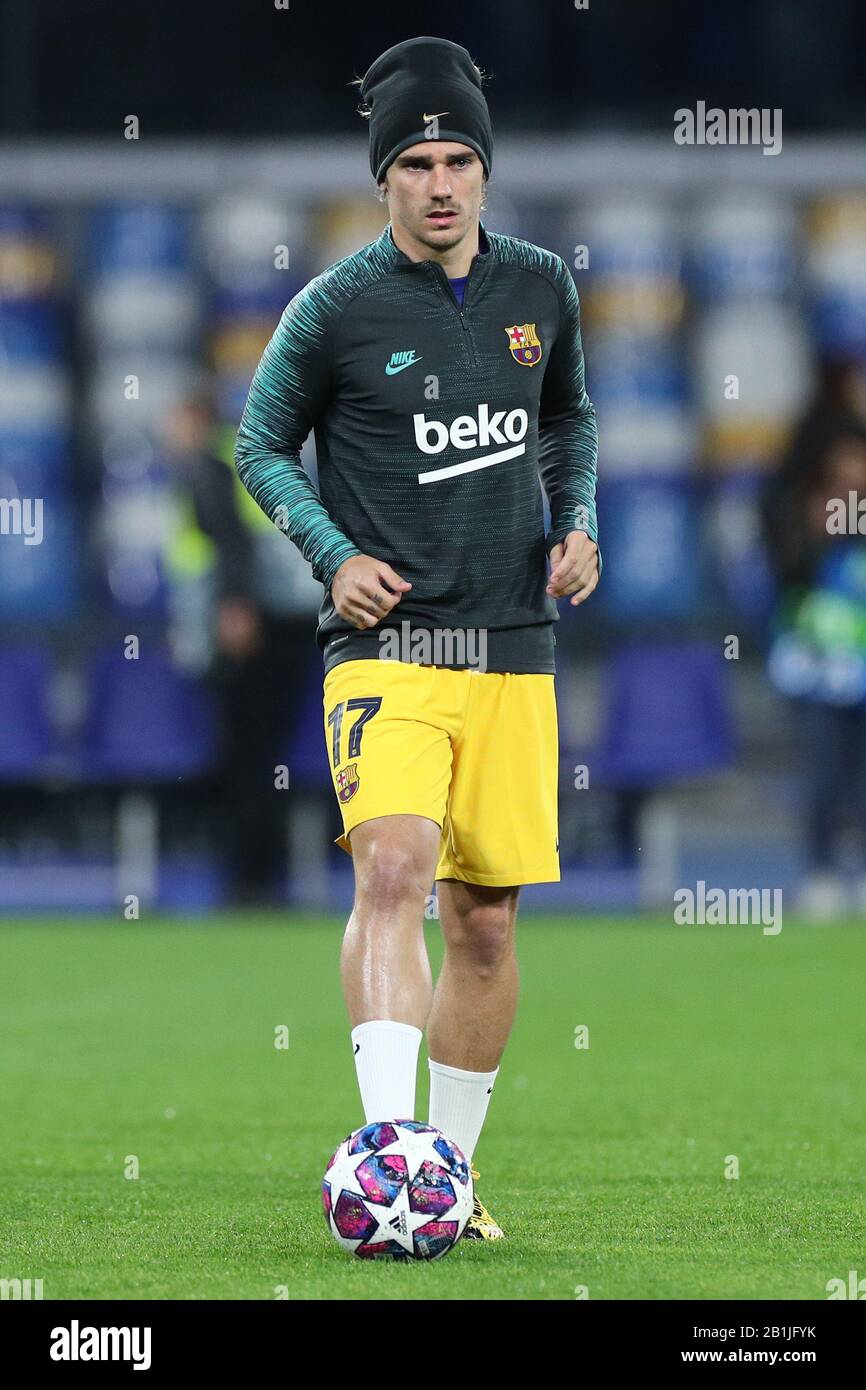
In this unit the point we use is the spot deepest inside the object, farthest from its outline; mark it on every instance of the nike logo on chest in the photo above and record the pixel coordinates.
(400, 361)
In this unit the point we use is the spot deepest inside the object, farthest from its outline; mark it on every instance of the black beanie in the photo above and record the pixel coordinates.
(415, 81)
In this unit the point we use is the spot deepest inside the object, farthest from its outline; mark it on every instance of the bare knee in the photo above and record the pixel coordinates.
(392, 876)
(483, 936)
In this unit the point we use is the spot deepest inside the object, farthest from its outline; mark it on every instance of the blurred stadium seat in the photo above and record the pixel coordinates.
(27, 737)
(667, 715)
(145, 723)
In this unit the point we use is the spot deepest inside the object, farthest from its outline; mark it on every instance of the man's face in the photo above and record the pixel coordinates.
(435, 190)
(186, 430)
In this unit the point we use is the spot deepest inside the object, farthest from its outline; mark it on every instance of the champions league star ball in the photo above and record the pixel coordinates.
(397, 1190)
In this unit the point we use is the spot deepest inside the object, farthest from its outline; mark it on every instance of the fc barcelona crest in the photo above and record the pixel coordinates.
(348, 782)
(524, 343)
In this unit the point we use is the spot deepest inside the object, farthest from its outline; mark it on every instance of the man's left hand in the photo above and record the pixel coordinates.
(573, 567)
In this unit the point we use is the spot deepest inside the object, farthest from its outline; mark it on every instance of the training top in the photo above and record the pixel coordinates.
(433, 422)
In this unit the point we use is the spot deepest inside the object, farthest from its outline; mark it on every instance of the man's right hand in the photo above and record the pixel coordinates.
(365, 590)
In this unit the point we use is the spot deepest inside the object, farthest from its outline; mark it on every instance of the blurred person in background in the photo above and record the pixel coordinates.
(817, 541)
(259, 643)
(838, 403)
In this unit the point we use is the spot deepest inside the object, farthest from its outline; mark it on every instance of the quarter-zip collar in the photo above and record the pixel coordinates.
(479, 266)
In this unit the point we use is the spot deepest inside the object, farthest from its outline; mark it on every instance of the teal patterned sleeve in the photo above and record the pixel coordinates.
(567, 431)
(289, 390)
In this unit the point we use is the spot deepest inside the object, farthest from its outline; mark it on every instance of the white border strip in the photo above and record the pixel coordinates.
(62, 170)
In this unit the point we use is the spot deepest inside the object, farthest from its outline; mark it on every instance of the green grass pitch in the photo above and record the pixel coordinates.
(154, 1043)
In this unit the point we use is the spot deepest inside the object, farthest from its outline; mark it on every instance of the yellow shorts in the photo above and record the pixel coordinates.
(475, 751)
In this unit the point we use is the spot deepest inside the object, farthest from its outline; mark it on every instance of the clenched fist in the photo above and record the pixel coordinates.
(573, 567)
(365, 590)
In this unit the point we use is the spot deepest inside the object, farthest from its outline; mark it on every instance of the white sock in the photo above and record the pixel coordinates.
(458, 1103)
(386, 1059)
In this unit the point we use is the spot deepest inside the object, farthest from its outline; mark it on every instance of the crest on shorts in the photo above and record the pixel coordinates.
(348, 782)
(524, 343)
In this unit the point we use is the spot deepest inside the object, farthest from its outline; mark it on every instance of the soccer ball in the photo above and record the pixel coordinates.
(397, 1190)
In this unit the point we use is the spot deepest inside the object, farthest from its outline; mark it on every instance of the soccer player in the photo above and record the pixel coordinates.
(442, 371)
